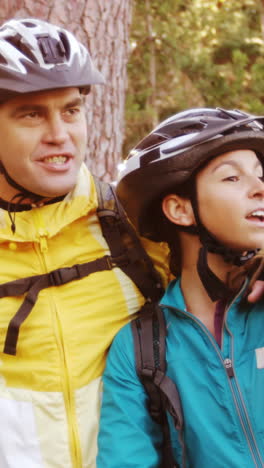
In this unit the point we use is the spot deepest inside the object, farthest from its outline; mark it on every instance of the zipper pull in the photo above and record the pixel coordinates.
(42, 234)
(43, 244)
(229, 367)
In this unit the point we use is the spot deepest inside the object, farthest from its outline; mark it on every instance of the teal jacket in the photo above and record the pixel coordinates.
(223, 411)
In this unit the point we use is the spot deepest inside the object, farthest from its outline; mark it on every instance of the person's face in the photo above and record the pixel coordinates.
(43, 141)
(230, 194)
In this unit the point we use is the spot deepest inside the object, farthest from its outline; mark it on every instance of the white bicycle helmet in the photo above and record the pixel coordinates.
(36, 55)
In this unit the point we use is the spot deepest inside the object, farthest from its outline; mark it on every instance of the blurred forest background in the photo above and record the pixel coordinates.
(158, 57)
(193, 53)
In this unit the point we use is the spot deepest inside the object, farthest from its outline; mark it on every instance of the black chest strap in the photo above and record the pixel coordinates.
(126, 253)
(32, 285)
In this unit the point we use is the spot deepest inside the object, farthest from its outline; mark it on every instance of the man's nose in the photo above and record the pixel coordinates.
(56, 131)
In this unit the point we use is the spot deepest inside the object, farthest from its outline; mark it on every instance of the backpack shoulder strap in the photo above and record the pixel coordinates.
(126, 253)
(149, 333)
(124, 244)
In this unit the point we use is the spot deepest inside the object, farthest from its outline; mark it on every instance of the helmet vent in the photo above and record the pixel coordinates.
(153, 140)
(3, 60)
(172, 130)
(16, 41)
(64, 45)
(28, 24)
(52, 50)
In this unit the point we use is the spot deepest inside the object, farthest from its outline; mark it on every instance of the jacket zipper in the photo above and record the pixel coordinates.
(211, 339)
(69, 402)
(237, 397)
(74, 441)
(242, 413)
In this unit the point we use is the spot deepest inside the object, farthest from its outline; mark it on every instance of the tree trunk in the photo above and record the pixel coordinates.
(152, 100)
(102, 25)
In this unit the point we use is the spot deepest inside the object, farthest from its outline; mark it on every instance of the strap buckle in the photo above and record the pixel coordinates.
(64, 275)
(119, 261)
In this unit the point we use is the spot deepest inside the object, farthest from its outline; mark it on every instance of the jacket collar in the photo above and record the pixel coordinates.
(30, 224)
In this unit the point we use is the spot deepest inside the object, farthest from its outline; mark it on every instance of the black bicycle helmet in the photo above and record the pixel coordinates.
(170, 156)
(36, 55)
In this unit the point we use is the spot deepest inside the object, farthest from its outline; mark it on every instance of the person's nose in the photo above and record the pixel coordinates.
(56, 131)
(257, 188)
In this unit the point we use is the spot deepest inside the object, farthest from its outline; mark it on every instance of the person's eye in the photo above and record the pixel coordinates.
(233, 178)
(72, 111)
(31, 115)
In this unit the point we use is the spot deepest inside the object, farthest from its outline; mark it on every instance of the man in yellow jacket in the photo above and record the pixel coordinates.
(54, 332)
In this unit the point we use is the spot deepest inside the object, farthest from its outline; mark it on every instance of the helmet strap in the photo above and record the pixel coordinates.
(22, 195)
(215, 288)
(22, 191)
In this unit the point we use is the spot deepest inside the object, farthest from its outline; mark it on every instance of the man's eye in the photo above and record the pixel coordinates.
(73, 111)
(31, 115)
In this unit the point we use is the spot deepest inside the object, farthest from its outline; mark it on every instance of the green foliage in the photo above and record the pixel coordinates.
(190, 53)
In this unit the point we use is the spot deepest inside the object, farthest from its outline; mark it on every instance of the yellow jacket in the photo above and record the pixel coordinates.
(50, 391)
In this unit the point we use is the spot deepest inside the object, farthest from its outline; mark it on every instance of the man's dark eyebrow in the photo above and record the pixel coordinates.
(27, 108)
(77, 102)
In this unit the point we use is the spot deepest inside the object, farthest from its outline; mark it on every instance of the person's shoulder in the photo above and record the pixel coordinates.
(121, 356)
(124, 337)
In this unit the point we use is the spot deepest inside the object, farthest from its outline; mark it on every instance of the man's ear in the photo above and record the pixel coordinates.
(178, 210)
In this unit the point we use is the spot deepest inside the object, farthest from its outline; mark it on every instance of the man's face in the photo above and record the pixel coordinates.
(42, 141)
(230, 192)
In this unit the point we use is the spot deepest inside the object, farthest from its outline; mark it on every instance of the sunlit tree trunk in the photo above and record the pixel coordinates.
(102, 25)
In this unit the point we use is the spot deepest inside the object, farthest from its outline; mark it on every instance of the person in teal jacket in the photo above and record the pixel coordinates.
(196, 182)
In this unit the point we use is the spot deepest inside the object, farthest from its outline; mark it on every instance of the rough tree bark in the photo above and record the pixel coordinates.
(103, 25)
(152, 100)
